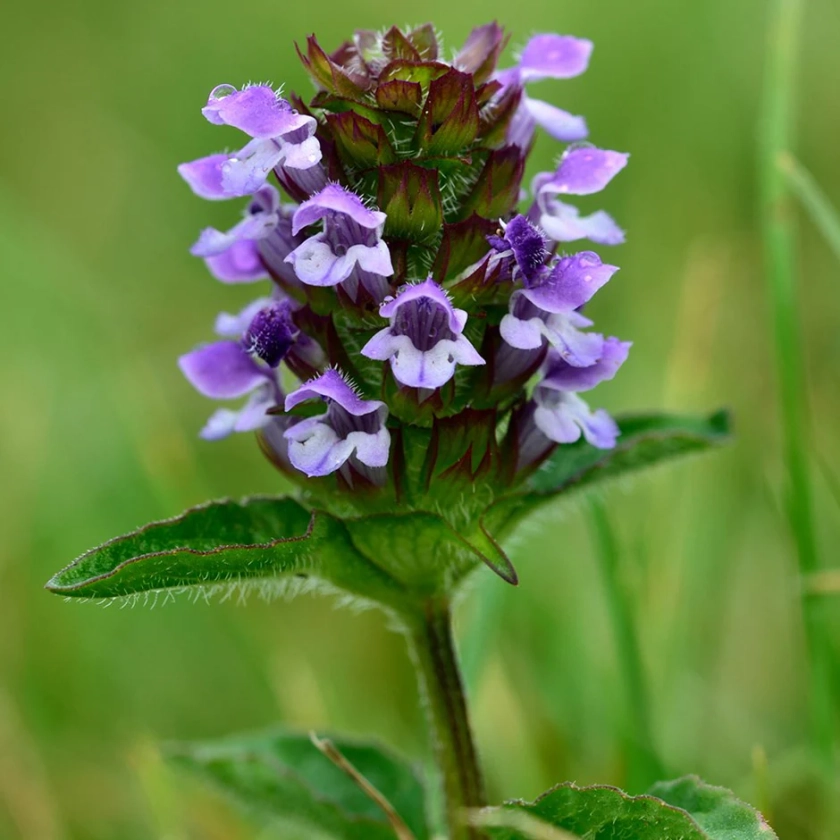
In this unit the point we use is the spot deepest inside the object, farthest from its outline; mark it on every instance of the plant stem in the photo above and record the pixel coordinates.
(779, 254)
(645, 766)
(443, 692)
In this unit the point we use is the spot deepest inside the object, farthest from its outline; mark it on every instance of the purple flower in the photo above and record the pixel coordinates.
(526, 244)
(547, 310)
(351, 428)
(255, 247)
(228, 370)
(559, 375)
(349, 250)
(234, 256)
(223, 371)
(560, 414)
(550, 56)
(545, 56)
(425, 339)
(582, 170)
(281, 136)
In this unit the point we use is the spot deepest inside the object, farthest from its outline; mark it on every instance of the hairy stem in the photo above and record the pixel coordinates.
(780, 268)
(443, 692)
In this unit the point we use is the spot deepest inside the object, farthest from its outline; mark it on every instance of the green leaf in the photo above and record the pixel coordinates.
(257, 541)
(715, 809)
(645, 440)
(283, 777)
(687, 809)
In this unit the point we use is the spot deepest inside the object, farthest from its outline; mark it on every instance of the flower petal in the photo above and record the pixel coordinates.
(563, 223)
(253, 414)
(371, 449)
(222, 370)
(260, 219)
(522, 333)
(562, 416)
(240, 263)
(580, 349)
(256, 110)
(314, 262)
(559, 375)
(332, 385)
(315, 448)
(244, 172)
(427, 289)
(550, 56)
(336, 199)
(220, 424)
(571, 283)
(584, 170)
(303, 155)
(560, 124)
(204, 176)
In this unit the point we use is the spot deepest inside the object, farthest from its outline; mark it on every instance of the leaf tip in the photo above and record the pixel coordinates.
(721, 422)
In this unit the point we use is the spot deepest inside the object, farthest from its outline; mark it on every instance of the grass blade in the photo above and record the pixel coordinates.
(779, 254)
(813, 199)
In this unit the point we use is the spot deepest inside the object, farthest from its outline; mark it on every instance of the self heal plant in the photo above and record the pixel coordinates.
(413, 364)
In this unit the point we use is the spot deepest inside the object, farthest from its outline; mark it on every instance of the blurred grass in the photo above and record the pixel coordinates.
(98, 430)
(780, 266)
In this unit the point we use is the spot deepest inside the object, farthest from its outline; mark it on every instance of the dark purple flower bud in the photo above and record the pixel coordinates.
(425, 340)
(528, 246)
(350, 428)
(271, 333)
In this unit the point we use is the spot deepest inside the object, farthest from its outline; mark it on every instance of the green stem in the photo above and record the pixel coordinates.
(780, 260)
(442, 689)
(645, 767)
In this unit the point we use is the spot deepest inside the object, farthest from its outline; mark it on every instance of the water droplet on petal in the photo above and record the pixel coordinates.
(221, 91)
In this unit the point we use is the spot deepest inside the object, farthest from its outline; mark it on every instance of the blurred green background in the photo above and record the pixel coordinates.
(98, 431)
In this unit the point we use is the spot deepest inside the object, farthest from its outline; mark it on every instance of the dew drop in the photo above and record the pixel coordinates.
(221, 91)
